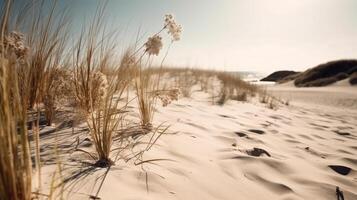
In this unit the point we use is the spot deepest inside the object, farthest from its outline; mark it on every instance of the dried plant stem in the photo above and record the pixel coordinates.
(36, 133)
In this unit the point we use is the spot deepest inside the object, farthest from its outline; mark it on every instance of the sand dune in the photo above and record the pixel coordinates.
(235, 151)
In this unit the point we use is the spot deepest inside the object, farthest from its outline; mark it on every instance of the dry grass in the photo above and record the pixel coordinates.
(46, 35)
(223, 96)
(97, 81)
(104, 123)
(144, 87)
(57, 92)
(272, 103)
(38, 53)
(149, 89)
(241, 96)
(39, 75)
(99, 97)
(232, 87)
(263, 96)
(147, 83)
(15, 162)
(186, 81)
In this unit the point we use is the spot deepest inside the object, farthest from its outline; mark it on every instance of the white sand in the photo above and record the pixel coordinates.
(207, 147)
(340, 95)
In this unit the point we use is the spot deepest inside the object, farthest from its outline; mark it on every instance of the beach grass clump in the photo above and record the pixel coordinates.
(103, 124)
(31, 47)
(39, 41)
(225, 93)
(105, 114)
(186, 81)
(144, 86)
(99, 85)
(100, 81)
(147, 82)
(287, 102)
(57, 91)
(232, 87)
(263, 96)
(241, 96)
(223, 97)
(47, 37)
(229, 87)
(204, 83)
(36, 73)
(272, 103)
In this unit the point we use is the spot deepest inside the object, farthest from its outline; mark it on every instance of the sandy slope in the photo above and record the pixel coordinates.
(340, 94)
(210, 154)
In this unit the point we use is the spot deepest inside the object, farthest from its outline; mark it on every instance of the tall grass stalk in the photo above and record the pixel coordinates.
(144, 87)
(15, 160)
(46, 35)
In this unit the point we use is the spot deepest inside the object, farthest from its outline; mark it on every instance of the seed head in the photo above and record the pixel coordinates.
(153, 45)
(15, 41)
(100, 84)
(172, 27)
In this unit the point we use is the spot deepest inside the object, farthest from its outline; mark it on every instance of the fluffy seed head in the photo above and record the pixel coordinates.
(153, 45)
(15, 41)
(100, 83)
(172, 27)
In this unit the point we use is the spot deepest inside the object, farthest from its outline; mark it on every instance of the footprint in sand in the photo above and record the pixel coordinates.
(293, 141)
(257, 152)
(319, 126)
(240, 134)
(257, 131)
(340, 169)
(226, 116)
(268, 123)
(345, 134)
(342, 133)
(316, 153)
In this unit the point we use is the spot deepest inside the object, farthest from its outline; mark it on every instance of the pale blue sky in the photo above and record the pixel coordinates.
(239, 35)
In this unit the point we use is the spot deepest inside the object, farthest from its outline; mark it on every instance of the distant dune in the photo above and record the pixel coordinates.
(321, 75)
(279, 75)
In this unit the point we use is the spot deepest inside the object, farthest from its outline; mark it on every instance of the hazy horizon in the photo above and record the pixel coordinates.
(238, 35)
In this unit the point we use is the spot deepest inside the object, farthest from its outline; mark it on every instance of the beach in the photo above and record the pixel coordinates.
(178, 100)
(243, 150)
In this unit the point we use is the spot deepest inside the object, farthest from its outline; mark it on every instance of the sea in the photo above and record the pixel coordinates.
(253, 77)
